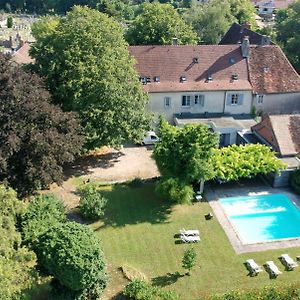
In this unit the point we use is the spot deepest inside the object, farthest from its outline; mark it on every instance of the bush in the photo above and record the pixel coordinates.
(140, 290)
(9, 22)
(175, 190)
(295, 181)
(92, 203)
(136, 182)
(42, 213)
(72, 254)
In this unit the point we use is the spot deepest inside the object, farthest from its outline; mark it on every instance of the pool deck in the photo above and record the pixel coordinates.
(213, 193)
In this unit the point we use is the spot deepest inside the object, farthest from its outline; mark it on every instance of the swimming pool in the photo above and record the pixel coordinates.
(263, 218)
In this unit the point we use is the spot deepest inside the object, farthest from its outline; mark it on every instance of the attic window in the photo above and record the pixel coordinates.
(234, 77)
(209, 78)
(195, 60)
(143, 80)
(232, 60)
(156, 79)
(183, 78)
(266, 69)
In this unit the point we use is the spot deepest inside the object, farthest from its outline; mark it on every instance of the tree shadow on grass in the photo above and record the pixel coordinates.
(128, 205)
(168, 279)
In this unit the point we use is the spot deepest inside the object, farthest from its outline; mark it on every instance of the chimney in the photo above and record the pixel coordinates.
(265, 40)
(174, 41)
(245, 47)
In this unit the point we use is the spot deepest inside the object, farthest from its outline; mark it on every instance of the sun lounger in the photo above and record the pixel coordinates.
(189, 232)
(189, 238)
(272, 268)
(288, 261)
(253, 267)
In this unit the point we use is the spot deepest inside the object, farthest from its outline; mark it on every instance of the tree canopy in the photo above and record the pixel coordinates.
(244, 161)
(184, 152)
(89, 70)
(158, 24)
(288, 34)
(72, 254)
(16, 262)
(36, 137)
(212, 20)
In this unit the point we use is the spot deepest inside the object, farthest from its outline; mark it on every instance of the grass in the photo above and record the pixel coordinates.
(138, 230)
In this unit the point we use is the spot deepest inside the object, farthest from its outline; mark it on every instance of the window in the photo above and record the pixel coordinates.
(234, 99)
(186, 100)
(167, 101)
(199, 100)
(260, 99)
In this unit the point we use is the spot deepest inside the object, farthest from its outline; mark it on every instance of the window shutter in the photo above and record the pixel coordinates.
(202, 100)
(240, 99)
(228, 99)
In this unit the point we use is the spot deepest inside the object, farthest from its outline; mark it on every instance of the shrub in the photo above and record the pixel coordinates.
(92, 203)
(136, 182)
(295, 181)
(72, 254)
(140, 290)
(175, 190)
(9, 22)
(42, 213)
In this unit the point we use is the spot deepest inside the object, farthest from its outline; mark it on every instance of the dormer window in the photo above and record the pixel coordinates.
(209, 78)
(234, 77)
(156, 79)
(195, 60)
(183, 78)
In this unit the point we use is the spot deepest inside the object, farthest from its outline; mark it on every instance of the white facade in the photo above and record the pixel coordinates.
(227, 102)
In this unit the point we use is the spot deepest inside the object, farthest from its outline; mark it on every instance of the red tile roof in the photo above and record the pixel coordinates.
(282, 132)
(22, 55)
(271, 72)
(172, 62)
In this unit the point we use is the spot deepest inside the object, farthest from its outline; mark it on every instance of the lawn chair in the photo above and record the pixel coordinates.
(288, 262)
(253, 267)
(189, 232)
(189, 238)
(272, 269)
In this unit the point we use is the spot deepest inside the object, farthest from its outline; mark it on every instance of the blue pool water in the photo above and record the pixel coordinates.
(263, 218)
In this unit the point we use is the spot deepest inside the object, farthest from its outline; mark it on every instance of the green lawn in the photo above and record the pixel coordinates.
(138, 230)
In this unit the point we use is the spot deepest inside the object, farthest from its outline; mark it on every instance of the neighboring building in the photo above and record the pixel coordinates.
(282, 133)
(21, 56)
(200, 82)
(236, 34)
(267, 8)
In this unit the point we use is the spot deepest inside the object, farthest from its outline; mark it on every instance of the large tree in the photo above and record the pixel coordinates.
(88, 69)
(212, 20)
(36, 137)
(288, 33)
(72, 254)
(158, 24)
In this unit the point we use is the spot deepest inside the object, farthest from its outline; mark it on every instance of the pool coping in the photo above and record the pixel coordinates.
(213, 195)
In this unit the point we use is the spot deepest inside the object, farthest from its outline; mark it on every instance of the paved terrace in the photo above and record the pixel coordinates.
(213, 193)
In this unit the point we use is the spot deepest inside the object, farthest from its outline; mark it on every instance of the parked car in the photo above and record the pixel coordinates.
(150, 138)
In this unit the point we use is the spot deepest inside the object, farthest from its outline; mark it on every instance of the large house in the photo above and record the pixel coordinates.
(205, 81)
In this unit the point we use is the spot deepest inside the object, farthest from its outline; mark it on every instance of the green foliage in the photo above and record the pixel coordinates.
(92, 203)
(280, 292)
(16, 262)
(244, 161)
(213, 19)
(158, 24)
(136, 182)
(295, 181)
(9, 22)
(175, 190)
(43, 212)
(140, 290)
(88, 69)
(288, 34)
(189, 259)
(36, 137)
(184, 152)
(72, 254)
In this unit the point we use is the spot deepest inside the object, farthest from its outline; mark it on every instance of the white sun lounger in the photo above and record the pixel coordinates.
(189, 232)
(253, 267)
(288, 261)
(272, 268)
(189, 238)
